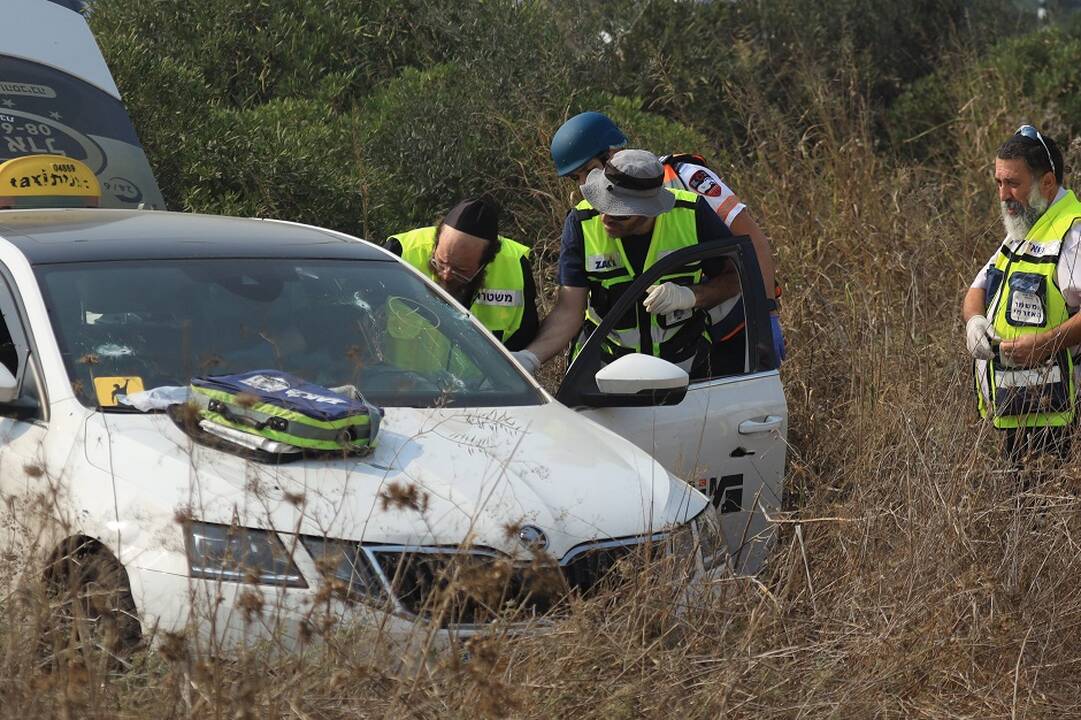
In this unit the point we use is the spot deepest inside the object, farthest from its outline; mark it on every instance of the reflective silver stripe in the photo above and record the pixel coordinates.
(660, 335)
(600, 263)
(1029, 377)
(626, 338)
(631, 338)
(981, 381)
(1012, 244)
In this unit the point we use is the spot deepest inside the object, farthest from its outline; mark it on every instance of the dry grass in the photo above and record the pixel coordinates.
(916, 574)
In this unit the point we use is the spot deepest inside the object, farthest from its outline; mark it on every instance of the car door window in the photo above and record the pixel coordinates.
(15, 349)
(751, 351)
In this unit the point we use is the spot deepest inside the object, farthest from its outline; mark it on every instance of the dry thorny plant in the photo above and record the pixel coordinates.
(915, 574)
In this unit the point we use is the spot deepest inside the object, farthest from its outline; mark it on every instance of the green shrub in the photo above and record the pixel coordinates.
(1031, 78)
(286, 158)
(648, 130)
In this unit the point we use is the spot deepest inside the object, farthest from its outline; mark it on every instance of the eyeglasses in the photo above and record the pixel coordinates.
(440, 267)
(1033, 134)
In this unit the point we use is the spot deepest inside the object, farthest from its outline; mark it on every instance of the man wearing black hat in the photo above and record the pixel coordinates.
(628, 220)
(487, 273)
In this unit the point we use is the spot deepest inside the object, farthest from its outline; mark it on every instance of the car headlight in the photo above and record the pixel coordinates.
(238, 554)
(681, 541)
(711, 540)
(701, 536)
(346, 563)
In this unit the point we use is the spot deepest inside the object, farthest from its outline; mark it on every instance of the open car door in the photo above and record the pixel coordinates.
(727, 434)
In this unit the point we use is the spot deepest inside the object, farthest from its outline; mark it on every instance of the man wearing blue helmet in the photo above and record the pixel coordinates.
(586, 142)
(627, 220)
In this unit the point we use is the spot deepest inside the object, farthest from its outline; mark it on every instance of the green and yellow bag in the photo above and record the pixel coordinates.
(280, 407)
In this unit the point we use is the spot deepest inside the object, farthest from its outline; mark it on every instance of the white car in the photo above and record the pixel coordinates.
(473, 459)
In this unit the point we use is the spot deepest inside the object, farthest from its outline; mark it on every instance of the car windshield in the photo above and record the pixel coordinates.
(122, 326)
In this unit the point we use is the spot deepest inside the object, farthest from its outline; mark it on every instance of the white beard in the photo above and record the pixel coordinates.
(1017, 226)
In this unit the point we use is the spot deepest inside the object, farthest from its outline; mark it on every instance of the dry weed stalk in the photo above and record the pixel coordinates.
(916, 574)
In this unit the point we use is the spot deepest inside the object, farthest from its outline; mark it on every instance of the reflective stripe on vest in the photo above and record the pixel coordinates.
(675, 336)
(500, 302)
(1025, 299)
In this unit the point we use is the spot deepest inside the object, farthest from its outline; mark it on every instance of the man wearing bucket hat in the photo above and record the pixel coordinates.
(587, 140)
(484, 271)
(627, 220)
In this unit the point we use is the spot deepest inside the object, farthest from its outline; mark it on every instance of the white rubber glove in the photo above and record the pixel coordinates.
(667, 298)
(978, 337)
(527, 360)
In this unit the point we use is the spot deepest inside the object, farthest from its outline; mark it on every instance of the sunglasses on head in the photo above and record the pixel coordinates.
(1032, 133)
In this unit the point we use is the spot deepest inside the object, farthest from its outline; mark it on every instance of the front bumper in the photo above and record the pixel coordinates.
(221, 614)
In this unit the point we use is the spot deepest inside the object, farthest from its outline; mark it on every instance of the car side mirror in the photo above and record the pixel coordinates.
(638, 380)
(9, 388)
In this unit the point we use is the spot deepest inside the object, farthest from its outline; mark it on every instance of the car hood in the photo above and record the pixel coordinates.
(437, 477)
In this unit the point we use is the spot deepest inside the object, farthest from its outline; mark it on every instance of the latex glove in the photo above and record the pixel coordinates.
(978, 337)
(667, 298)
(778, 337)
(527, 360)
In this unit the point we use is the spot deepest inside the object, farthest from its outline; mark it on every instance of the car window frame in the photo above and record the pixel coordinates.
(28, 368)
(579, 383)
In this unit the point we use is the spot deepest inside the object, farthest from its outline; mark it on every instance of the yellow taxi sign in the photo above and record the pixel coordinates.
(109, 388)
(48, 181)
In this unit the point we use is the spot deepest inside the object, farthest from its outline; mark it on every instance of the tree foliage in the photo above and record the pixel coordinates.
(372, 116)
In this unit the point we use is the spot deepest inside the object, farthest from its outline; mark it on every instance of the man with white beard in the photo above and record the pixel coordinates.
(1021, 320)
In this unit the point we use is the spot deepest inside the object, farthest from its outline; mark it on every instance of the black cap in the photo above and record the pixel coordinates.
(475, 217)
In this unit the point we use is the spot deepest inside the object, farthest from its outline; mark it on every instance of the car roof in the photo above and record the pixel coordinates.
(88, 235)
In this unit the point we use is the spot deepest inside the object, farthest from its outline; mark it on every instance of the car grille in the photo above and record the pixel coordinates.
(455, 588)
(588, 570)
(591, 568)
(452, 587)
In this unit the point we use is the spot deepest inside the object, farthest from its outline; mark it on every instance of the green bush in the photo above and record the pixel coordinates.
(1043, 69)
(1031, 78)
(285, 158)
(250, 51)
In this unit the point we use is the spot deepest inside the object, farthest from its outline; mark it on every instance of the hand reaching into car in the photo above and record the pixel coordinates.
(527, 360)
(668, 297)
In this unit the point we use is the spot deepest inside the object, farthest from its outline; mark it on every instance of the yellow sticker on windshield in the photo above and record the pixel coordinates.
(108, 389)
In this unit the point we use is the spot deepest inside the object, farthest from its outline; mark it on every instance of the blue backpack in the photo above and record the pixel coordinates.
(277, 406)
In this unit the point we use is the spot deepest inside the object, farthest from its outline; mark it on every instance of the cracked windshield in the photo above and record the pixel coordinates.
(371, 325)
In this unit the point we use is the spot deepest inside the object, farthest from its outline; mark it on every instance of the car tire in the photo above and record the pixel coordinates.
(91, 616)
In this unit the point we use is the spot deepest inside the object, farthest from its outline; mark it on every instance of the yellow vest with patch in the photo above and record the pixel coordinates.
(677, 336)
(1024, 299)
(500, 302)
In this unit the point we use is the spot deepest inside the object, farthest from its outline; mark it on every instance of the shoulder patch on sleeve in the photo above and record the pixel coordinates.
(703, 183)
